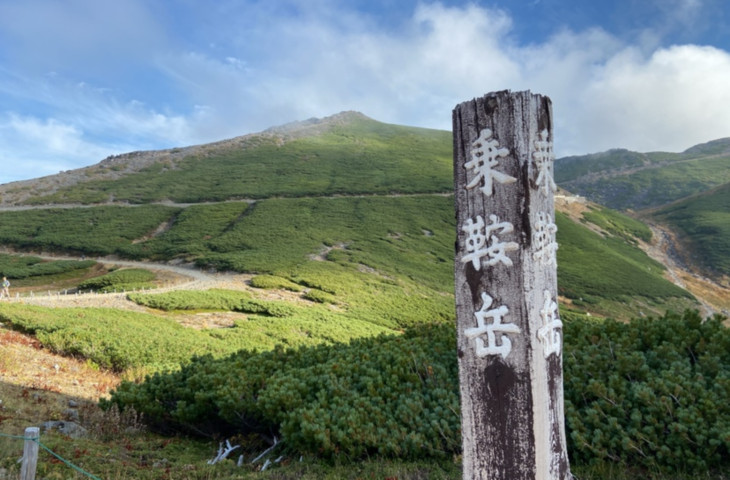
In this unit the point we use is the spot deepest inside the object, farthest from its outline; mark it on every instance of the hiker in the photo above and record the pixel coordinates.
(6, 288)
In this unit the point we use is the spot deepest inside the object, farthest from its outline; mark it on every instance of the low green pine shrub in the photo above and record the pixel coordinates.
(125, 279)
(652, 392)
(273, 282)
(319, 296)
(113, 339)
(392, 396)
(212, 299)
(20, 267)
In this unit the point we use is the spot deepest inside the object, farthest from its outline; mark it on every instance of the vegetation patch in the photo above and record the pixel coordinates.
(24, 266)
(394, 254)
(275, 282)
(213, 299)
(107, 230)
(380, 158)
(113, 339)
(617, 224)
(592, 267)
(120, 280)
(622, 180)
(121, 340)
(651, 392)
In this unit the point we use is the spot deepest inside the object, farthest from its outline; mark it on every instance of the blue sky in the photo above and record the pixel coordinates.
(84, 79)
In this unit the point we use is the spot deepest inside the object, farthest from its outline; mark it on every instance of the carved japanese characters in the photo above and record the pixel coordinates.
(496, 341)
(484, 246)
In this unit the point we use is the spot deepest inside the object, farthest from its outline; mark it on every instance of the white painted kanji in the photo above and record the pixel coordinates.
(549, 333)
(494, 345)
(543, 239)
(544, 158)
(485, 243)
(484, 154)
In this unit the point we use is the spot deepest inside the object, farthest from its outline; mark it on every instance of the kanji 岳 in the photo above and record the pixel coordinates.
(491, 346)
(549, 333)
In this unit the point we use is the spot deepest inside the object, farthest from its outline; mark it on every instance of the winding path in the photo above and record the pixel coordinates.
(183, 277)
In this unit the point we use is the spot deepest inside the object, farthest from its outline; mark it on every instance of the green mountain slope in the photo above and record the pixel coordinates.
(371, 199)
(703, 222)
(599, 270)
(353, 268)
(360, 249)
(345, 154)
(622, 179)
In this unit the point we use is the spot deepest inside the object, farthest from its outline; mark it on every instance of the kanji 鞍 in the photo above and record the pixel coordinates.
(543, 239)
(482, 241)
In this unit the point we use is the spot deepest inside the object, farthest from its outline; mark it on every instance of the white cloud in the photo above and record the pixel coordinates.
(33, 148)
(670, 101)
(318, 68)
(606, 93)
(256, 69)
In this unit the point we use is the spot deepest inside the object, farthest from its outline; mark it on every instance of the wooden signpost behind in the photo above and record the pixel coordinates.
(509, 330)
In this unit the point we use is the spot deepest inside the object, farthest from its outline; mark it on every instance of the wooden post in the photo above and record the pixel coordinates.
(508, 326)
(30, 454)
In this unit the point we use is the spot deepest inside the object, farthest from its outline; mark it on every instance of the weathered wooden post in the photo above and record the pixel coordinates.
(509, 330)
(30, 454)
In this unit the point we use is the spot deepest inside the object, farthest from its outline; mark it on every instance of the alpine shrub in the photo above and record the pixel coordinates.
(652, 392)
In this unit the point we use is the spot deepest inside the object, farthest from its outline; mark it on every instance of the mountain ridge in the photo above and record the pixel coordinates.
(624, 179)
(118, 166)
(579, 174)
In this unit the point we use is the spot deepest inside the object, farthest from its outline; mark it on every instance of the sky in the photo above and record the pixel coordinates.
(84, 79)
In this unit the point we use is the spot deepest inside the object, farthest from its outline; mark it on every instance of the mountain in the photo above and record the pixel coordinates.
(622, 179)
(364, 195)
(325, 310)
(687, 191)
(346, 153)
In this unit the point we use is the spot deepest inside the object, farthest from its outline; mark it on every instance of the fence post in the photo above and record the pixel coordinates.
(508, 328)
(30, 454)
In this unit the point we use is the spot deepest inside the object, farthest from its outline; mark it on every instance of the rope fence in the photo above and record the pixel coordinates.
(75, 293)
(30, 454)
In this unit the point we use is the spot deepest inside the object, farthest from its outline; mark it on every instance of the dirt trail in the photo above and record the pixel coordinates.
(173, 277)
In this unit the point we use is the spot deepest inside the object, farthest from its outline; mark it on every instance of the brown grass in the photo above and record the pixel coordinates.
(37, 385)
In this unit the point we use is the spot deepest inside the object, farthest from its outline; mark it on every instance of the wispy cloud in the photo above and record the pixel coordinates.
(28, 143)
